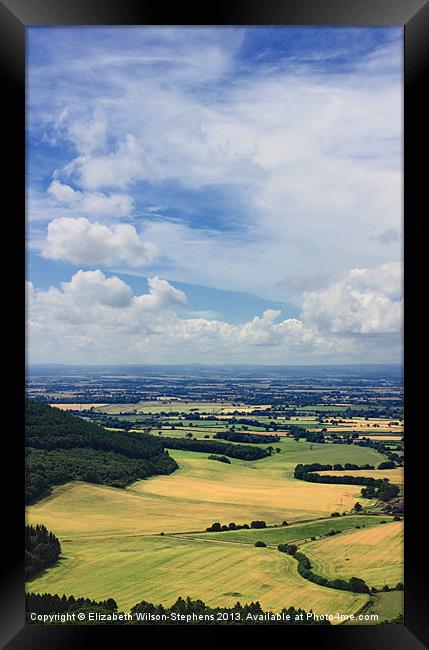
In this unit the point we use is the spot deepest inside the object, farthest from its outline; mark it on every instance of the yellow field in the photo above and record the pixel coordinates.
(74, 407)
(200, 492)
(386, 438)
(395, 476)
(246, 409)
(360, 424)
(159, 569)
(374, 554)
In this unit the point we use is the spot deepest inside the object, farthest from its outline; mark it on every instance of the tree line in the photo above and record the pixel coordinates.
(147, 613)
(254, 438)
(42, 550)
(242, 452)
(305, 570)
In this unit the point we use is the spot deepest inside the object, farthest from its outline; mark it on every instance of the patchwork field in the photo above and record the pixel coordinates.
(181, 406)
(374, 554)
(112, 546)
(158, 569)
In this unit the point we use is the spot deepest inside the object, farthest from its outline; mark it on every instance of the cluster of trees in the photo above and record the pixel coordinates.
(309, 436)
(290, 549)
(218, 527)
(382, 490)
(255, 438)
(62, 447)
(222, 459)
(146, 613)
(243, 452)
(319, 467)
(305, 570)
(387, 464)
(42, 550)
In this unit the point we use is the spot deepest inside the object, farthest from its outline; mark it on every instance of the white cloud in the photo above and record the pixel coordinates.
(128, 163)
(364, 301)
(89, 203)
(359, 314)
(161, 295)
(82, 242)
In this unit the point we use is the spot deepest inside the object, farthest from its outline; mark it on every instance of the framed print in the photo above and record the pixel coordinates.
(218, 209)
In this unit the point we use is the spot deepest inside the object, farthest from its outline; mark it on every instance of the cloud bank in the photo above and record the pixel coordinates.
(98, 318)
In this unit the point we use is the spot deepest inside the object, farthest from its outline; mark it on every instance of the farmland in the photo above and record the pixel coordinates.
(149, 540)
(199, 493)
(139, 568)
(386, 605)
(297, 533)
(375, 553)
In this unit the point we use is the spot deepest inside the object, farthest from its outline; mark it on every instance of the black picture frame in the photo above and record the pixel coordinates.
(413, 15)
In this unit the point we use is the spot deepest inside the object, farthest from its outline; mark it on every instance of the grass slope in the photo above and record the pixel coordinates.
(201, 492)
(158, 569)
(374, 554)
(386, 605)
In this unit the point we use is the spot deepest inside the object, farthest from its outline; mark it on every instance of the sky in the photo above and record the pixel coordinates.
(214, 195)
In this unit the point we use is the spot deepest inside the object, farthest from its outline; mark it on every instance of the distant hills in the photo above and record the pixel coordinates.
(61, 447)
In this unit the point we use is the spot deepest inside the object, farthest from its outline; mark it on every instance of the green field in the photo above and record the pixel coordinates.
(296, 532)
(374, 554)
(159, 569)
(386, 605)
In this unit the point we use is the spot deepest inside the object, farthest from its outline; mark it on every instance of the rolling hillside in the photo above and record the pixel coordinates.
(61, 447)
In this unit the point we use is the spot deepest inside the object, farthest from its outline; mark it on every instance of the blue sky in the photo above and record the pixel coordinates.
(212, 194)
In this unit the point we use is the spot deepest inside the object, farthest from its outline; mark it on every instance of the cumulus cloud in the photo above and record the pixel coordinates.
(90, 203)
(358, 314)
(364, 301)
(79, 241)
(161, 295)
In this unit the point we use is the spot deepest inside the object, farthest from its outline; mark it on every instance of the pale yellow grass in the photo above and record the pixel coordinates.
(374, 554)
(359, 423)
(246, 409)
(74, 407)
(395, 476)
(191, 499)
(386, 438)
